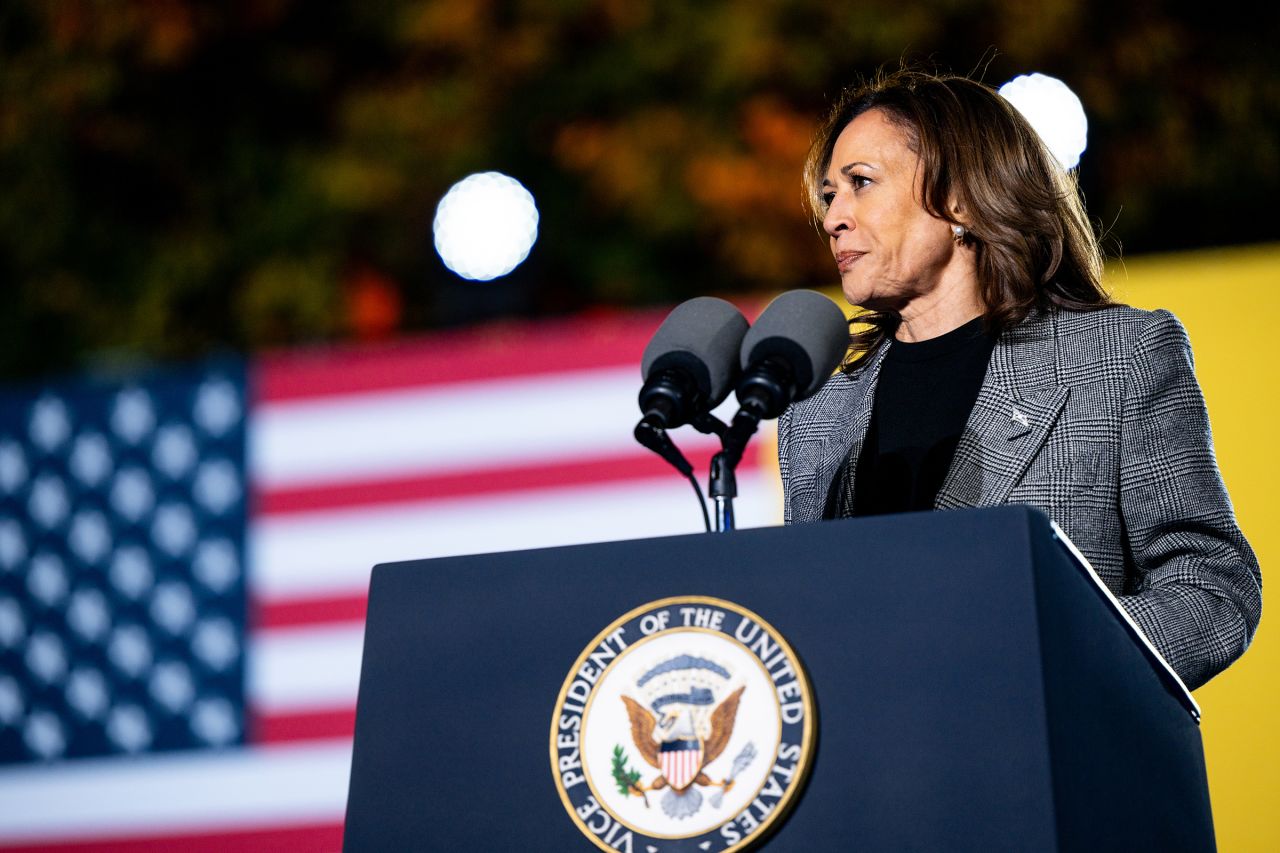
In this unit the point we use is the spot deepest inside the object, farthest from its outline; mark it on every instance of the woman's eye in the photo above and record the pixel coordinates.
(827, 198)
(859, 181)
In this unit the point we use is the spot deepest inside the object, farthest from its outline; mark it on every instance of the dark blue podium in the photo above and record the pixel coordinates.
(975, 690)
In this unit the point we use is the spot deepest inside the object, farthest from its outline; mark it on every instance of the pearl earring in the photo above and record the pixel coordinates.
(957, 234)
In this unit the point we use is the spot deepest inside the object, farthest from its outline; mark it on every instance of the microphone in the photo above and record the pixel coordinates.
(790, 352)
(688, 368)
(690, 363)
(787, 356)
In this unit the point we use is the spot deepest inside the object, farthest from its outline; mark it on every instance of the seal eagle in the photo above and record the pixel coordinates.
(644, 724)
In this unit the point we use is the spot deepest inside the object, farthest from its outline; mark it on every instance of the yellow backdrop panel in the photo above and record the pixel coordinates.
(1229, 300)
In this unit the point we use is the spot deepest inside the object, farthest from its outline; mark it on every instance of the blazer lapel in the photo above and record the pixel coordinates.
(839, 447)
(838, 423)
(1016, 407)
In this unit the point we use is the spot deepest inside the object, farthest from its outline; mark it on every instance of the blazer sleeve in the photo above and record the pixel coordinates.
(1198, 591)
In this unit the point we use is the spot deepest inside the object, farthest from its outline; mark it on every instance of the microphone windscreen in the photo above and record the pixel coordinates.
(701, 336)
(806, 330)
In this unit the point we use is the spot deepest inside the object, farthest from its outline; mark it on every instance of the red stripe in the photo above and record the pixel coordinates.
(524, 348)
(503, 349)
(308, 725)
(311, 837)
(292, 612)
(641, 465)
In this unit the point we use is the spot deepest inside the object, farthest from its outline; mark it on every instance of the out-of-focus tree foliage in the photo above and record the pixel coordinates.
(179, 176)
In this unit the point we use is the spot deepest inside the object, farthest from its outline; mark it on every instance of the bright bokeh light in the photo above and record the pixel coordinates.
(485, 226)
(1054, 111)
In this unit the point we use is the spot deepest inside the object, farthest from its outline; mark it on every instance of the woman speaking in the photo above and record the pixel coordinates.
(993, 369)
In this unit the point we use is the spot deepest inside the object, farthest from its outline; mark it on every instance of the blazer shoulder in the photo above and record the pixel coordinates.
(1113, 333)
(1121, 319)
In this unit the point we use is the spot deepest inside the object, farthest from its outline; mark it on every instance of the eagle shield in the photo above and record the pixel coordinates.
(680, 761)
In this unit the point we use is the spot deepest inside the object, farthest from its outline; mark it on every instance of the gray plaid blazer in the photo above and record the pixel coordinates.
(1095, 418)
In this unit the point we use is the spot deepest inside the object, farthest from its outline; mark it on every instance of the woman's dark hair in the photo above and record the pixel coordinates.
(1023, 212)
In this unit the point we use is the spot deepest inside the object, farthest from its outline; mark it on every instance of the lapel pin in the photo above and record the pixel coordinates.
(1020, 419)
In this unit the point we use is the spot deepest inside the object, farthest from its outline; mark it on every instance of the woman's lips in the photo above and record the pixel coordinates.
(845, 260)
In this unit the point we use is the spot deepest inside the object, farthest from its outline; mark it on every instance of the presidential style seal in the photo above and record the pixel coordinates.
(686, 725)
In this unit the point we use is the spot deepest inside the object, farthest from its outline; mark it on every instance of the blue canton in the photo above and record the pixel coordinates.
(122, 591)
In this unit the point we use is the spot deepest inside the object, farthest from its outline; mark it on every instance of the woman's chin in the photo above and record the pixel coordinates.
(869, 298)
(855, 293)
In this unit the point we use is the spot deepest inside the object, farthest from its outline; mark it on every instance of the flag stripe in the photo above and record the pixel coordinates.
(295, 612)
(634, 465)
(314, 838)
(524, 349)
(339, 722)
(298, 669)
(482, 425)
(177, 793)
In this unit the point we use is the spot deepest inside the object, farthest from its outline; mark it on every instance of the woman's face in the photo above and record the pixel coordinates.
(890, 251)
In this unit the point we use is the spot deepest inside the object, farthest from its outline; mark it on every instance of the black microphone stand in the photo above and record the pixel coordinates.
(722, 487)
(762, 394)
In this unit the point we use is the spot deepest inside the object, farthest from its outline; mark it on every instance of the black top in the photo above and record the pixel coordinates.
(924, 395)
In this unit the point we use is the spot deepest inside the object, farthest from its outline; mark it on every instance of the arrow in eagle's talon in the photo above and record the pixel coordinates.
(739, 764)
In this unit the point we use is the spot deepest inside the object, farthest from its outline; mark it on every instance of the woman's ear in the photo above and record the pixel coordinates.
(959, 223)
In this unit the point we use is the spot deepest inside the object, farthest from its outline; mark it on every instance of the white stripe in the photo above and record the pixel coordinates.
(331, 552)
(300, 669)
(479, 425)
(453, 428)
(170, 793)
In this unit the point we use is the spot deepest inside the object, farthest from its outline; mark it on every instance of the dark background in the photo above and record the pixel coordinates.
(181, 177)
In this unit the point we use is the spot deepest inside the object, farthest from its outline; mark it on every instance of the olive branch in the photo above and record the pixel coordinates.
(628, 780)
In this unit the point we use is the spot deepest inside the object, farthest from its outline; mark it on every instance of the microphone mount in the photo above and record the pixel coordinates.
(651, 434)
(667, 398)
(768, 387)
(763, 394)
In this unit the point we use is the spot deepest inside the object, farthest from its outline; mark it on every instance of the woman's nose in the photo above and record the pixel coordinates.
(838, 218)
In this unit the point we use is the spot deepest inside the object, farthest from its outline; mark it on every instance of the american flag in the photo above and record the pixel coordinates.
(184, 559)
